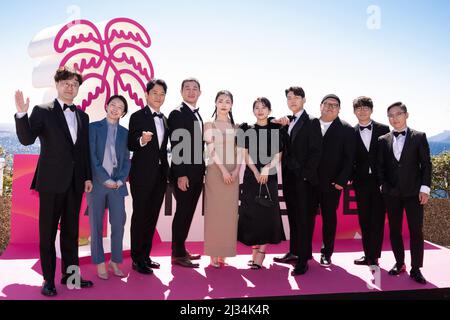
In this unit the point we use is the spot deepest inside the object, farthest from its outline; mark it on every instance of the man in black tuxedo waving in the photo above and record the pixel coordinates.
(62, 174)
(404, 172)
(147, 138)
(371, 209)
(187, 168)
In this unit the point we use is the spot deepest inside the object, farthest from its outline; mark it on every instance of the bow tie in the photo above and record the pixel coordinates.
(369, 127)
(292, 118)
(71, 107)
(396, 133)
(160, 115)
(196, 110)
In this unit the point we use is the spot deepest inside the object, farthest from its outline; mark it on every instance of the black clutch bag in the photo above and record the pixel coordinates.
(265, 201)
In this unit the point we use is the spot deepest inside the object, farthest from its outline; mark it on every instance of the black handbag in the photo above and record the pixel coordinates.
(265, 201)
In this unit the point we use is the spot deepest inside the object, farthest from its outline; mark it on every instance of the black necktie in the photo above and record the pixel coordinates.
(71, 107)
(396, 134)
(369, 127)
(160, 115)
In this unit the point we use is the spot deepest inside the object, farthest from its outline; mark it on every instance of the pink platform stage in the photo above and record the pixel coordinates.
(21, 277)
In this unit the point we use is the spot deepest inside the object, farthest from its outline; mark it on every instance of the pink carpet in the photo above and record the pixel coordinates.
(21, 276)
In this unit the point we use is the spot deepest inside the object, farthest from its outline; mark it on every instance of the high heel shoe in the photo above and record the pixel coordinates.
(115, 269)
(257, 264)
(215, 262)
(255, 250)
(102, 273)
(222, 261)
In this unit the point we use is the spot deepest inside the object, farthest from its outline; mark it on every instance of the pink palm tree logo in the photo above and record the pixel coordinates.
(110, 63)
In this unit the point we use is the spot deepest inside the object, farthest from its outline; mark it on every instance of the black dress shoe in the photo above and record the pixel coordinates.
(141, 267)
(363, 261)
(300, 269)
(397, 269)
(48, 289)
(83, 283)
(184, 262)
(191, 256)
(417, 276)
(325, 262)
(287, 258)
(152, 264)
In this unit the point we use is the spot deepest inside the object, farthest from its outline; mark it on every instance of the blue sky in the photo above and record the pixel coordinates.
(259, 48)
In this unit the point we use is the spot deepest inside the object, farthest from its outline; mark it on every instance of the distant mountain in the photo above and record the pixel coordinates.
(443, 137)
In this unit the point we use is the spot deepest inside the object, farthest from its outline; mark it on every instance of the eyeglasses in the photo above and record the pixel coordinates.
(395, 115)
(68, 84)
(363, 108)
(333, 106)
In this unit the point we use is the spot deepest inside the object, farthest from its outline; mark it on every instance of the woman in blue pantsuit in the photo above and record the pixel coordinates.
(110, 161)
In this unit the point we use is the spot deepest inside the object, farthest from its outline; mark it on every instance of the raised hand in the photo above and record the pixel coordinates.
(21, 105)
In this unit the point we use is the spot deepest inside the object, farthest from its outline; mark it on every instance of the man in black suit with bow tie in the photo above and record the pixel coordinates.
(404, 173)
(301, 158)
(147, 138)
(371, 209)
(187, 168)
(62, 174)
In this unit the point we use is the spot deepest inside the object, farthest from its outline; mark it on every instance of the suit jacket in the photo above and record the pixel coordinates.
(404, 177)
(303, 148)
(145, 161)
(192, 163)
(60, 161)
(338, 151)
(367, 159)
(98, 132)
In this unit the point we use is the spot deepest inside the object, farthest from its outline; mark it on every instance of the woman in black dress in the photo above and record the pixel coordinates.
(260, 221)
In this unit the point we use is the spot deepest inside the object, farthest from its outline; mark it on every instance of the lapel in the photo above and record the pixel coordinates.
(407, 143)
(103, 133)
(300, 122)
(333, 126)
(359, 140)
(391, 145)
(375, 135)
(61, 121)
(188, 113)
(79, 124)
(148, 118)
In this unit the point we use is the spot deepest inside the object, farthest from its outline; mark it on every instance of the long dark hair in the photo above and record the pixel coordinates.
(229, 94)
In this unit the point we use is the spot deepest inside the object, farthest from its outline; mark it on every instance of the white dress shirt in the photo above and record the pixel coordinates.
(324, 126)
(71, 120)
(292, 124)
(196, 115)
(159, 124)
(366, 137)
(397, 147)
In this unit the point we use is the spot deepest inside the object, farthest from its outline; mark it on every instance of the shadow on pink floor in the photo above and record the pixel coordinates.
(21, 276)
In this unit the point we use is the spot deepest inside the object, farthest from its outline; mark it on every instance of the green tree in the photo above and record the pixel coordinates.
(440, 183)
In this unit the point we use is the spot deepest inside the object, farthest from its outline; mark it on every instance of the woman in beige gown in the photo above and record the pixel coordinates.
(222, 183)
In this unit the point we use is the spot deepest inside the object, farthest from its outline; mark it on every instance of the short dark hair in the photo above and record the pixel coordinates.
(121, 98)
(190, 80)
(152, 83)
(363, 101)
(67, 73)
(298, 91)
(264, 101)
(398, 104)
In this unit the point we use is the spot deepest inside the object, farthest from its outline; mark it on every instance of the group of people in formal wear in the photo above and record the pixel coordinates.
(390, 172)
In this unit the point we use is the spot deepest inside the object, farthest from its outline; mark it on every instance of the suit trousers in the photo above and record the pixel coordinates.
(185, 209)
(147, 201)
(371, 215)
(414, 215)
(62, 208)
(298, 197)
(98, 200)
